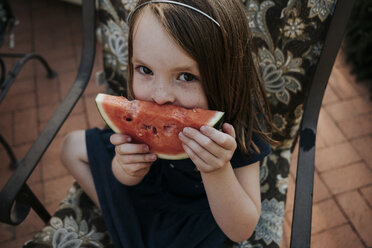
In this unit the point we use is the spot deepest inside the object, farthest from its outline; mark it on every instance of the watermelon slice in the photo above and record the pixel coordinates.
(155, 125)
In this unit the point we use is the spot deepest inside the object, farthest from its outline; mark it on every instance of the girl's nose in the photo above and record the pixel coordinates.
(163, 93)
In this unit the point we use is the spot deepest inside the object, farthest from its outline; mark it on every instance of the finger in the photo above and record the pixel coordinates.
(137, 169)
(203, 140)
(203, 153)
(129, 148)
(199, 163)
(117, 139)
(229, 129)
(143, 172)
(225, 140)
(130, 169)
(138, 158)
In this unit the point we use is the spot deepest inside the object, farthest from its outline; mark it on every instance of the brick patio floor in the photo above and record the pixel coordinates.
(342, 210)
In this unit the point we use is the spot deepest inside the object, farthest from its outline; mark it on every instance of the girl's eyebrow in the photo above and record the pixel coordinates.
(137, 60)
(185, 67)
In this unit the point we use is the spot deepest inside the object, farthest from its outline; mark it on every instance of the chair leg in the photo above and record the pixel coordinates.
(14, 162)
(2, 75)
(24, 201)
(18, 66)
(29, 197)
(28, 56)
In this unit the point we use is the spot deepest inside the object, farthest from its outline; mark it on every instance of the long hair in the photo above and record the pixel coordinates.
(224, 56)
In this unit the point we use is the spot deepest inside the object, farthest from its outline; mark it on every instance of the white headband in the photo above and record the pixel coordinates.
(176, 3)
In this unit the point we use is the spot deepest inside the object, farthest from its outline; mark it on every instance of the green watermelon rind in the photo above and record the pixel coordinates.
(215, 122)
(102, 112)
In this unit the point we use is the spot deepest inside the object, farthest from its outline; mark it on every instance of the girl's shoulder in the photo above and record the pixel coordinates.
(239, 160)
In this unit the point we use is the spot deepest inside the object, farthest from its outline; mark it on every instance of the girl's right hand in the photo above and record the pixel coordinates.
(132, 161)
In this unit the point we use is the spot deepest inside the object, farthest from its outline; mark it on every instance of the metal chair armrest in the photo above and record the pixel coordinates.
(302, 209)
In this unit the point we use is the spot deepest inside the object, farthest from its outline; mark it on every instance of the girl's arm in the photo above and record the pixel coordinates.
(234, 198)
(233, 195)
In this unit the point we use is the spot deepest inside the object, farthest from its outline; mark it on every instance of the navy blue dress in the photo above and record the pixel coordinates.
(168, 208)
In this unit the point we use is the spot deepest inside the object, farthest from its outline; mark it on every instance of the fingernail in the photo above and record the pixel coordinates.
(113, 138)
(152, 157)
(146, 148)
(187, 129)
(129, 139)
(203, 128)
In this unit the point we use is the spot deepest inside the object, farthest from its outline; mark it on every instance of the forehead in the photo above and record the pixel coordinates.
(151, 42)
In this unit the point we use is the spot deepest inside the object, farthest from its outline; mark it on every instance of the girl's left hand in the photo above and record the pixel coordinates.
(209, 148)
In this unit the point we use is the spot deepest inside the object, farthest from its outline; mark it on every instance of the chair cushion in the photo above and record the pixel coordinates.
(77, 223)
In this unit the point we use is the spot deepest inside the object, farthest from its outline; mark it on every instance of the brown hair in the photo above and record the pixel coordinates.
(224, 56)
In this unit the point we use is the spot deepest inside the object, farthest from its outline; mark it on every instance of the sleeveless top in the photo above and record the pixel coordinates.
(168, 208)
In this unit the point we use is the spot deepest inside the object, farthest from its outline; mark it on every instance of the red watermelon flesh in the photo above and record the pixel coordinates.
(155, 125)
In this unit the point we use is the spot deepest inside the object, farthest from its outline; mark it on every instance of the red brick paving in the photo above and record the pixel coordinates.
(359, 214)
(342, 210)
(347, 178)
(341, 236)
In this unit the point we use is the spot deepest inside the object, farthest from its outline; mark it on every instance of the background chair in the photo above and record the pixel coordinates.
(7, 23)
(16, 198)
(297, 43)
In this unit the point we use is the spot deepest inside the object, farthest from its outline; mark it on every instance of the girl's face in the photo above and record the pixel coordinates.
(163, 72)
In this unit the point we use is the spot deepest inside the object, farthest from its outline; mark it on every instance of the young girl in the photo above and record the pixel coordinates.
(191, 53)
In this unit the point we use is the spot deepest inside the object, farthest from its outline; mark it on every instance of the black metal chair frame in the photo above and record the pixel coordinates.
(16, 198)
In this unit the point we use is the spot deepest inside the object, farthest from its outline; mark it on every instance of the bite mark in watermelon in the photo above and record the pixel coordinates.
(156, 125)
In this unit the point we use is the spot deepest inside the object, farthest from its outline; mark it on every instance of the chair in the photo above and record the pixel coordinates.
(16, 198)
(297, 42)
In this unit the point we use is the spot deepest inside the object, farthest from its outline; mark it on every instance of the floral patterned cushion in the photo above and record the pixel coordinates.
(289, 36)
(77, 223)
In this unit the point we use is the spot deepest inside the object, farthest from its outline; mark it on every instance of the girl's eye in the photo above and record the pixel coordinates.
(145, 70)
(187, 77)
